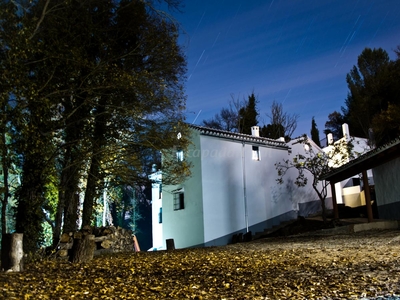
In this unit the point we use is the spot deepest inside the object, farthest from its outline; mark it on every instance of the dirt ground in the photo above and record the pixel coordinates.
(303, 265)
(358, 265)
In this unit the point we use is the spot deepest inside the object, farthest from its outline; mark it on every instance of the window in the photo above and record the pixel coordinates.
(256, 153)
(160, 191)
(179, 155)
(179, 200)
(160, 216)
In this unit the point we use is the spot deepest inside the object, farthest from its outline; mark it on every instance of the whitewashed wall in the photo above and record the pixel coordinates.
(216, 197)
(305, 199)
(186, 226)
(222, 184)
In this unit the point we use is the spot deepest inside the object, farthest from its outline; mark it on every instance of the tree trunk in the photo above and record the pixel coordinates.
(72, 165)
(4, 165)
(71, 211)
(88, 202)
(83, 249)
(58, 218)
(323, 211)
(95, 176)
(12, 252)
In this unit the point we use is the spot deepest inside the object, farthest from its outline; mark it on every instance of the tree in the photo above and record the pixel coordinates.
(334, 125)
(272, 131)
(315, 163)
(227, 119)
(248, 115)
(315, 132)
(112, 68)
(386, 125)
(370, 85)
(240, 116)
(282, 124)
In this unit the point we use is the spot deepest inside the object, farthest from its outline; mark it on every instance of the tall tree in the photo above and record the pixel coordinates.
(386, 124)
(112, 68)
(369, 85)
(315, 132)
(248, 115)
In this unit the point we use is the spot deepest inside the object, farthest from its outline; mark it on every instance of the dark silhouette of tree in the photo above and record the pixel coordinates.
(373, 99)
(370, 85)
(227, 119)
(248, 115)
(334, 125)
(240, 116)
(272, 131)
(281, 123)
(315, 132)
(386, 125)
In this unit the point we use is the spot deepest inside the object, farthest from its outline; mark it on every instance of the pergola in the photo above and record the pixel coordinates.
(361, 164)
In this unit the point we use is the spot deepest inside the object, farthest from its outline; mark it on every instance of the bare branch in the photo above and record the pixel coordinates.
(41, 19)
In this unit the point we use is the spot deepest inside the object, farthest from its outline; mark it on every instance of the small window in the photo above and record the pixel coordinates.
(256, 153)
(160, 191)
(179, 200)
(160, 216)
(179, 155)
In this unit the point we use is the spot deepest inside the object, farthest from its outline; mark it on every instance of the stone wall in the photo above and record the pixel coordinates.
(109, 239)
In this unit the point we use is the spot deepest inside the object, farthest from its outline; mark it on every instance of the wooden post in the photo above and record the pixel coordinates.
(83, 248)
(136, 244)
(170, 244)
(334, 202)
(367, 196)
(12, 252)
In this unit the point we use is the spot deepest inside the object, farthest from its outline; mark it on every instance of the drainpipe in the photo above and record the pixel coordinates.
(246, 216)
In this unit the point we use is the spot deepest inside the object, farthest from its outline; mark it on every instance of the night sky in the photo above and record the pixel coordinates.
(292, 51)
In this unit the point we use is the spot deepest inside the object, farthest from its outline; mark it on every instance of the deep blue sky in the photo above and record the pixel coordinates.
(292, 51)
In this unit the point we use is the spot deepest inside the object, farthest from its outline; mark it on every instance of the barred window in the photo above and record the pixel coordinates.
(179, 200)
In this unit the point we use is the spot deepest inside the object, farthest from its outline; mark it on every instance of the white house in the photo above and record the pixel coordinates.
(349, 191)
(233, 189)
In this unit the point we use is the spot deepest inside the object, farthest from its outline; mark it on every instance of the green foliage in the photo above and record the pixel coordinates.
(96, 89)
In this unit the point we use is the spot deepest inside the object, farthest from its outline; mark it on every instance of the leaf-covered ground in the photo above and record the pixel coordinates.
(298, 267)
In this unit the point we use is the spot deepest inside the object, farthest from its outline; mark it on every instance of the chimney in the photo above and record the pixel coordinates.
(346, 132)
(255, 131)
(330, 138)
